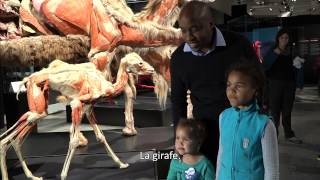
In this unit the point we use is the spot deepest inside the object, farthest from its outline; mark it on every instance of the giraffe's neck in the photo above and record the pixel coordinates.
(122, 79)
(161, 11)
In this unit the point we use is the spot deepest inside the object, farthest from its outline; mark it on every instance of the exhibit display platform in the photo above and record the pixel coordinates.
(146, 111)
(45, 154)
(86, 167)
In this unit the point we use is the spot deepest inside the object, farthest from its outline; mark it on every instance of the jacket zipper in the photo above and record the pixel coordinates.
(233, 149)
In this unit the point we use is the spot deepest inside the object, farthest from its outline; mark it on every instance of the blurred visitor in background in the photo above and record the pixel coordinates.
(278, 64)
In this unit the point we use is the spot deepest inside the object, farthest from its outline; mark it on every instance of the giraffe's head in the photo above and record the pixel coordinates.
(135, 64)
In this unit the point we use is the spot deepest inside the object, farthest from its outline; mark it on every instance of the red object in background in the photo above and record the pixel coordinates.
(144, 81)
(257, 47)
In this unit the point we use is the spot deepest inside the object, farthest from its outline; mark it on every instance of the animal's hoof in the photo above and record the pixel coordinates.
(129, 132)
(124, 165)
(36, 178)
(82, 140)
(82, 143)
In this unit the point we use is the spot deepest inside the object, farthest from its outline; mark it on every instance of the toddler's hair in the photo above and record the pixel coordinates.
(195, 129)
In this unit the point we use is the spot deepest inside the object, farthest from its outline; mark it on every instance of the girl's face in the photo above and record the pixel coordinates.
(239, 91)
(183, 144)
(283, 40)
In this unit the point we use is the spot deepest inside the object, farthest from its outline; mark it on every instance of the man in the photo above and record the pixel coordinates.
(199, 65)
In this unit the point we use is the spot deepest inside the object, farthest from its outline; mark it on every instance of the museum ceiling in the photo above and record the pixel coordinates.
(280, 8)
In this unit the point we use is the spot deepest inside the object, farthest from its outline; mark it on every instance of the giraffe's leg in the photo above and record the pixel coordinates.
(104, 32)
(34, 117)
(78, 109)
(21, 129)
(73, 144)
(76, 106)
(102, 139)
(83, 141)
(138, 37)
(4, 146)
(129, 130)
(17, 147)
(37, 101)
(23, 117)
(3, 153)
(189, 105)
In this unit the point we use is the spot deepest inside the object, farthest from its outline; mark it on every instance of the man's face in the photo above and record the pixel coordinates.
(197, 33)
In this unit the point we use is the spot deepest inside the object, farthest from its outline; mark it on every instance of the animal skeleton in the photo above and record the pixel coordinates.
(163, 12)
(83, 84)
(113, 24)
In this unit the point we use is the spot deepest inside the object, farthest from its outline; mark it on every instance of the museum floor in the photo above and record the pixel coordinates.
(297, 162)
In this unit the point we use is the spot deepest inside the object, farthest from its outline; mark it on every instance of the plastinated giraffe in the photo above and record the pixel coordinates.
(109, 23)
(82, 84)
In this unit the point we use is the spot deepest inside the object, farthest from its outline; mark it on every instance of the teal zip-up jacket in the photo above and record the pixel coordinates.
(241, 131)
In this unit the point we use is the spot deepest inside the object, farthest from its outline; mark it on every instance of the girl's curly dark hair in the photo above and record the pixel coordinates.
(254, 71)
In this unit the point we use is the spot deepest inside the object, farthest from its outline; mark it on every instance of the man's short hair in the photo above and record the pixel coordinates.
(197, 9)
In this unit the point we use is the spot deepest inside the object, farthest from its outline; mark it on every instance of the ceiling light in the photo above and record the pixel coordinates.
(284, 2)
(285, 14)
(260, 2)
(270, 9)
(250, 12)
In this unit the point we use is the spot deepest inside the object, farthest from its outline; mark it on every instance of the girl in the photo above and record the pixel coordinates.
(248, 142)
(191, 164)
